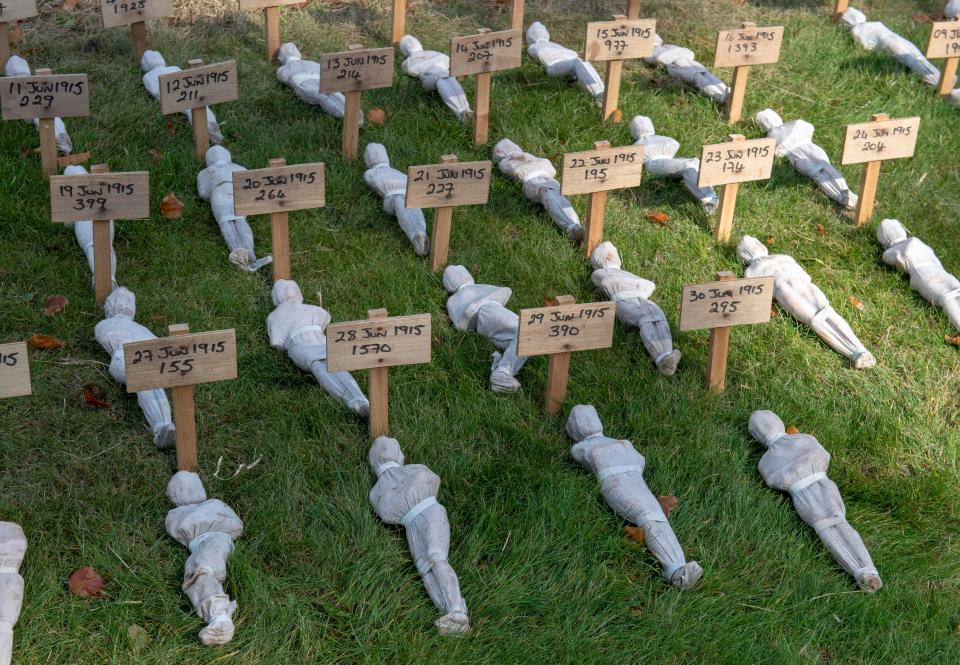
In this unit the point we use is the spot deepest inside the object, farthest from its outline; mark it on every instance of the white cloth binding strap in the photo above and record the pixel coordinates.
(303, 77)
(663, 356)
(9, 570)
(396, 192)
(627, 294)
(828, 522)
(804, 483)
(820, 316)
(386, 465)
(672, 569)
(306, 329)
(867, 570)
(424, 566)
(774, 437)
(414, 512)
(610, 471)
(537, 174)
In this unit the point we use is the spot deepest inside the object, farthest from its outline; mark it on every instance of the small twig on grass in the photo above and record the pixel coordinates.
(834, 593)
(121, 559)
(105, 450)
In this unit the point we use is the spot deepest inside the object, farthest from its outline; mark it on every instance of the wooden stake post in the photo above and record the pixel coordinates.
(481, 55)
(399, 21)
(134, 13)
(271, 21)
(624, 38)
(839, 7)
(443, 187)
(351, 72)
(277, 191)
(871, 143)
(196, 88)
(742, 49)
(14, 370)
(12, 12)
(719, 306)
(182, 361)
(44, 96)
(516, 14)
(377, 344)
(945, 43)
(100, 196)
(596, 172)
(559, 329)
(730, 165)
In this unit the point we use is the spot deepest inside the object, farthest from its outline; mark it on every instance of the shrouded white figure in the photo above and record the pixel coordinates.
(215, 184)
(480, 308)
(795, 142)
(298, 329)
(206, 527)
(562, 62)
(83, 232)
(619, 468)
(433, 70)
(797, 464)
(538, 178)
(631, 295)
(659, 157)
(17, 66)
(391, 185)
(794, 289)
(154, 66)
(303, 77)
(406, 494)
(682, 63)
(952, 9)
(927, 275)
(112, 333)
(13, 547)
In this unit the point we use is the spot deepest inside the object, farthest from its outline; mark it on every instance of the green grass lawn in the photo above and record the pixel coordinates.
(544, 565)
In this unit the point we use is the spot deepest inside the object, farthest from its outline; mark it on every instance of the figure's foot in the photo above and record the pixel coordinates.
(421, 244)
(240, 257)
(218, 631)
(502, 383)
(213, 129)
(165, 436)
(454, 623)
(360, 407)
(668, 365)
(870, 583)
(260, 263)
(575, 232)
(467, 117)
(864, 360)
(687, 576)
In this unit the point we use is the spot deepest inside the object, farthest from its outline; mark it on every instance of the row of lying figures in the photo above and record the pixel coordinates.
(405, 495)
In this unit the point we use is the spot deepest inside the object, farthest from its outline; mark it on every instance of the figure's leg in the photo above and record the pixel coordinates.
(429, 540)
(342, 386)
(452, 94)
(203, 576)
(414, 226)
(505, 368)
(11, 600)
(847, 547)
(663, 544)
(837, 334)
(707, 196)
(156, 409)
(559, 208)
(589, 80)
(654, 330)
(951, 307)
(213, 127)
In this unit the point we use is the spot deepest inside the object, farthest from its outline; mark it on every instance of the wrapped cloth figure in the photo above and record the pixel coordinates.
(562, 62)
(17, 66)
(538, 178)
(83, 232)
(794, 289)
(206, 527)
(433, 70)
(391, 185)
(13, 547)
(797, 464)
(480, 308)
(634, 308)
(154, 66)
(117, 329)
(952, 9)
(406, 495)
(303, 77)
(659, 157)
(681, 63)
(299, 329)
(795, 142)
(215, 184)
(619, 469)
(927, 275)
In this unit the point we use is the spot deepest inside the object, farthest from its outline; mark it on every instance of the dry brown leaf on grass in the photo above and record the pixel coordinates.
(668, 503)
(634, 533)
(792, 430)
(41, 342)
(74, 159)
(955, 340)
(155, 155)
(171, 128)
(658, 217)
(922, 18)
(55, 305)
(855, 302)
(91, 397)
(69, 5)
(376, 116)
(171, 207)
(771, 240)
(85, 582)
(773, 312)
(821, 230)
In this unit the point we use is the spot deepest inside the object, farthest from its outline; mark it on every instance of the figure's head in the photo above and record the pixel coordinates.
(286, 291)
(851, 18)
(890, 232)
(605, 255)
(288, 52)
(13, 545)
(768, 119)
(455, 277)
(74, 169)
(185, 489)
(584, 421)
(383, 451)
(504, 149)
(218, 155)
(410, 45)
(537, 32)
(641, 126)
(766, 427)
(17, 66)
(750, 248)
(375, 154)
(121, 302)
(150, 60)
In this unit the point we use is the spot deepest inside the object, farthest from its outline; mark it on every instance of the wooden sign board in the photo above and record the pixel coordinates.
(566, 328)
(878, 141)
(485, 52)
(14, 370)
(944, 40)
(198, 87)
(279, 189)
(726, 303)
(601, 170)
(124, 12)
(748, 46)
(736, 161)
(624, 39)
(389, 342)
(359, 69)
(17, 10)
(53, 96)
(181, 360)
(106, 196)
(253, 5)
(448, 185)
